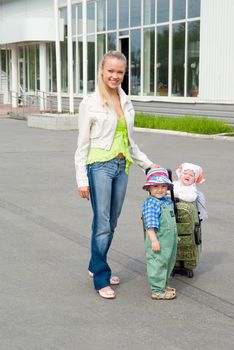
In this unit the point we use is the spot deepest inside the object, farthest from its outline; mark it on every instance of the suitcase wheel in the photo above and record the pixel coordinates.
(190, 273)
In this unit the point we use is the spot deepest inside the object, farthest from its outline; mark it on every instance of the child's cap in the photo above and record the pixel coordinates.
(198, 171)
(157, 176)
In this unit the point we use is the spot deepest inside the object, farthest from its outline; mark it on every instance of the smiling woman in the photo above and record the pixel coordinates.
(105, 151)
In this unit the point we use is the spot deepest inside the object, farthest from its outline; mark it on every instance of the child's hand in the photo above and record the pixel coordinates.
(155, 246)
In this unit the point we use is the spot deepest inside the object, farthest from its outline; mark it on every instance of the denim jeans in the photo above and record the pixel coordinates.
(108, 184)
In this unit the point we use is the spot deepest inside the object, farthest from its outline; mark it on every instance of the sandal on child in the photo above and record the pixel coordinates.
(165, 296)
(170, 289)
(106, 294)
(114, 280)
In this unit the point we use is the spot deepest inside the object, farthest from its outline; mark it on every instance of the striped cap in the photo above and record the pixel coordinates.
(157, 176)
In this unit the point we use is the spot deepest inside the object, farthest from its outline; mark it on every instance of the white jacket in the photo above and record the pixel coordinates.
(97, 126)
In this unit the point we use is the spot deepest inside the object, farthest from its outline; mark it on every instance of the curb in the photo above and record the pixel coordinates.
(186, 134)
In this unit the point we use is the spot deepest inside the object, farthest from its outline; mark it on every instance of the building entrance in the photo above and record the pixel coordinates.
(124, 48)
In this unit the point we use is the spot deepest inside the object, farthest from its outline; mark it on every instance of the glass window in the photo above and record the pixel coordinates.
(178, 59)
(135, 62)
(162, 60)
(80, 28)
(193, 8)
(111, 14)
(178, 9)
(80, 64)
(91, 63)
(149, 12)
(162, 11)
(101, 15)
(193, 58)
(52, 67)
(101, 47)
(4, 60)
(135, 13)
(111, 41)
(32, 67)
(149, 55)
(74, 65)
(64, 76)
(123, 13)
(37, 68)
(74, 19)
(63, 15)
(90, 17)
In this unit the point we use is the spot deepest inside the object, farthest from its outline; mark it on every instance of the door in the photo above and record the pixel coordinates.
(124, 48)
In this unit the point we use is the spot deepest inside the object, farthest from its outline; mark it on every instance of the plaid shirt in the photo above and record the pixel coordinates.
(152, 211)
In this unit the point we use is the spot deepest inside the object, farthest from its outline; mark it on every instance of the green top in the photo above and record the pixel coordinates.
(119, 145)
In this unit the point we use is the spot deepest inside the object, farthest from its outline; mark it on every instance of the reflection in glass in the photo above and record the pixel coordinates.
(64, 64)
(135, 13)
(193, 58)
(135, 86)
(74, 65)
(178, 9)
(63, 15)
(162, 11)
(149, 54)
(80, 64)
(32, 67)
(111, 41)
(162, 60)
(101, 47)
(193, 8)
(74, 19)
(80, 28)
(90, 17)
(111, 14)
(149, 12)
(91, 63)
(52, 67)
(101, 15)
(178, 52)
(123, 13)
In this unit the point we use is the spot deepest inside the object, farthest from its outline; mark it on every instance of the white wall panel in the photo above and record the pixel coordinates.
(217, 51)
(26, 20)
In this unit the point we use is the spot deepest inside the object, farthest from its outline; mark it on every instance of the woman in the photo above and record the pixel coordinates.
(105, 151)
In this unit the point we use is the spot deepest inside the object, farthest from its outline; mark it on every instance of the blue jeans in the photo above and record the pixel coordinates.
(108, 184)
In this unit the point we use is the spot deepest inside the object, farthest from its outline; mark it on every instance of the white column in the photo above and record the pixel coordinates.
(43, 83)
(14, 70)
(70, 57)
(58, 57)
(85, 54)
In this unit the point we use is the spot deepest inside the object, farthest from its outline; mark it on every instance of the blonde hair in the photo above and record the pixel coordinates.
(103, 90)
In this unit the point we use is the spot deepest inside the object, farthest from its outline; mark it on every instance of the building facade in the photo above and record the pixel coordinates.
(177, 50)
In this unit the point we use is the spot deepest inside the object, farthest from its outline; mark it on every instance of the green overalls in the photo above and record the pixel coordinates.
(160, 264)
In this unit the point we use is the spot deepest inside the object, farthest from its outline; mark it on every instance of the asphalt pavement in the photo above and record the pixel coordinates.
(47, 299)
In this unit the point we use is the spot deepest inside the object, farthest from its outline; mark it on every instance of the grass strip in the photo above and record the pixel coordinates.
(190, 124)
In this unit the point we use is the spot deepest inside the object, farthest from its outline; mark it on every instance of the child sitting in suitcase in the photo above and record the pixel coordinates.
(185, 188)
(161, 233)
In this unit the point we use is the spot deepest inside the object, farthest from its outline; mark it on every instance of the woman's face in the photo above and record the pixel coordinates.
(113, 72)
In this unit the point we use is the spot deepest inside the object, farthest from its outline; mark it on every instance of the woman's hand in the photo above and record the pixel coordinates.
(83, 192)
(154, 166)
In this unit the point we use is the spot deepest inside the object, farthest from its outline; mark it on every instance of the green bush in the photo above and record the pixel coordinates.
(196, 125)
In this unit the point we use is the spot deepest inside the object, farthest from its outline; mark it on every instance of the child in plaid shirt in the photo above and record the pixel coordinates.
(161, 233)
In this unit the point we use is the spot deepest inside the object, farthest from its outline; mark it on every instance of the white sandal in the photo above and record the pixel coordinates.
(107, 294)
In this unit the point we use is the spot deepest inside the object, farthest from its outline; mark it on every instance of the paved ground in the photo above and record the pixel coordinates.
(47, 300)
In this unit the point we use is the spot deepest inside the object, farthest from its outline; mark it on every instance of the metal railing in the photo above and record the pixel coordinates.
(25, 103)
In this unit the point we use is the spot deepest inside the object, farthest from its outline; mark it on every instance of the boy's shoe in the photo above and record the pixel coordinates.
(168, 295)
(170, 289)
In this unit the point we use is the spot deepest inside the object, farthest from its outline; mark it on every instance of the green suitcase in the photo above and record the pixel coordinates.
(189, 238)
